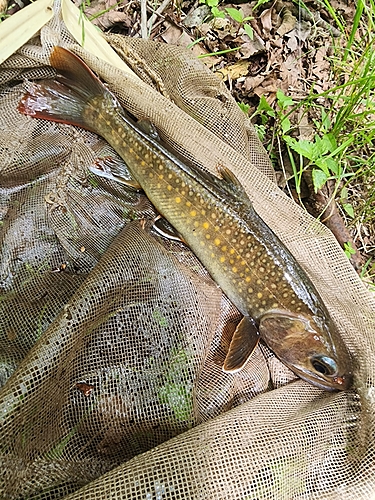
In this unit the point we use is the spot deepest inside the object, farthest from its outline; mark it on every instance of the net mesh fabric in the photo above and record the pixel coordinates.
(112, 337)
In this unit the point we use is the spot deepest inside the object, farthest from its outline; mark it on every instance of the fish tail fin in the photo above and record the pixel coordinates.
(65, 99)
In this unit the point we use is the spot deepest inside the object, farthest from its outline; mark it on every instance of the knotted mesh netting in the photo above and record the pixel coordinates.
(113, 337)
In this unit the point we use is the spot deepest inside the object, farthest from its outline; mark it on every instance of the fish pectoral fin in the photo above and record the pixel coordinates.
(244, 341)
(163, 228)
(109, 168)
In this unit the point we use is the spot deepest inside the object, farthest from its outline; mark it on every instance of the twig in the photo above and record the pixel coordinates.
(157, 12)
(144, 33)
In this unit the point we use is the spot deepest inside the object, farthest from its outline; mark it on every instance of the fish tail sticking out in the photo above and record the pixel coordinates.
(65, 98)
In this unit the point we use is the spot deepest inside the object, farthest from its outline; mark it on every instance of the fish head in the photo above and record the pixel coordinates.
(309, 346)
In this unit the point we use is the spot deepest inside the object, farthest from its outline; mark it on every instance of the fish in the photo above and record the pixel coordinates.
(216, 219)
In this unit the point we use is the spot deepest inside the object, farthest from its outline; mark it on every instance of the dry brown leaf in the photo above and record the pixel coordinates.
(266, 20)
(347, 8)
(292, 41)
(177, 36)
(289, 22)
(321, 68)
(291, 71)
(306, 130)
(253, 82)
(109, 18)
(264, 86)
(234, 71)
(274, 58)
(252, 47)
(173, 33)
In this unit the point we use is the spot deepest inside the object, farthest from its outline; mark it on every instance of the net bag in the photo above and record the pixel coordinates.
(113, 337)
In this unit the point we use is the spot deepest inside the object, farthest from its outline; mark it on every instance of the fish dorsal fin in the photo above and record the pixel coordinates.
(244, 341)
(229, 176)
(233, 184)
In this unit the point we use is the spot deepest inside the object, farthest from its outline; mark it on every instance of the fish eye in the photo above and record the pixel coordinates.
(324, 365)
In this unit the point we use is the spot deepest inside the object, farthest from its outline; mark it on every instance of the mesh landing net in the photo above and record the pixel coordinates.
(112, 337)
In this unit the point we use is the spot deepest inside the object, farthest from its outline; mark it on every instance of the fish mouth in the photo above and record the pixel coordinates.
(333, 383)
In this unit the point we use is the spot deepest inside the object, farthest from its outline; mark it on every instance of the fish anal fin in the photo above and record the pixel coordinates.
(244, 341)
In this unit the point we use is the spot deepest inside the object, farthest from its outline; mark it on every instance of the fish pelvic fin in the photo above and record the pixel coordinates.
(244, 341)
(64, 99)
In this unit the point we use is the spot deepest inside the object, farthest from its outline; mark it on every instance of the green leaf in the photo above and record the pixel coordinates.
(217, 13)
(348, 249)
(244, 107)
(235, 14)
(285, 125)
(249, 31)
(283, 100)
(344, 193)
(322, 164)
(291, 141)
(328, 165)
(349, 209)
(321, 146)
(319, 178)
(212, 3)
(261, 131)
(331, 139)
(326, 122)
(264, 106)
(260, 2)
(305, 148)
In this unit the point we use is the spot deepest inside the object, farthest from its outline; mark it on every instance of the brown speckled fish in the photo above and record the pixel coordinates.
(216, 219)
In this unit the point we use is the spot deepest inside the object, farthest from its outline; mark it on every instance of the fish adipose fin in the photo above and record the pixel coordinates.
(244, 341)
(65, 98)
